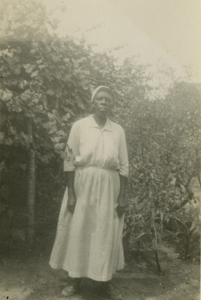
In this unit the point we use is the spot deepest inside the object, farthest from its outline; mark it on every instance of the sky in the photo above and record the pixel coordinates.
(173, 25)
(157, 32)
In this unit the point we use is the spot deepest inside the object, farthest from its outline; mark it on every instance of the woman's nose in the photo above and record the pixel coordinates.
(103, 100)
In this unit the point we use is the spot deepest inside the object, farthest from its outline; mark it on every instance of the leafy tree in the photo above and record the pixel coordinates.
(164, 145)
(41, 87)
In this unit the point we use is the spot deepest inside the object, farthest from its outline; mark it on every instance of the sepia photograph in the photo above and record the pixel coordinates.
(100, 149)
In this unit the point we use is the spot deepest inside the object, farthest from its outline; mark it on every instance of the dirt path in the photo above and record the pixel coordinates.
(33, 279)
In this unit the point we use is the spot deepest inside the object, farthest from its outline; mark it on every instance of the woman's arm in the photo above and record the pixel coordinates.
(122, 196)
(71, 192)
(123, 173)
(71, 151)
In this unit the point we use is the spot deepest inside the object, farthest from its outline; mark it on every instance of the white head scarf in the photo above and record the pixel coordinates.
(99, 88)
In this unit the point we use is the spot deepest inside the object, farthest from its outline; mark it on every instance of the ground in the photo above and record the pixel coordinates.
(32, 279)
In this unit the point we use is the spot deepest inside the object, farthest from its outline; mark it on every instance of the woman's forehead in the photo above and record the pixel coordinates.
(103, 94)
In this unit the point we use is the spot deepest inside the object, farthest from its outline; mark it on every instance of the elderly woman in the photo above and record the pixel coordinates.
(89, 235)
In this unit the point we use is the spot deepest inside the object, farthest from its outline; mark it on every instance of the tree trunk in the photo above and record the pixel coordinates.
(31, 189)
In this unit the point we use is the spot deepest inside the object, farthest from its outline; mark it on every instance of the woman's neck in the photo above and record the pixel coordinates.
(100, 120)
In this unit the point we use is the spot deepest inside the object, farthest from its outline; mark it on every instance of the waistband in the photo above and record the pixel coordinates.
(95, 167)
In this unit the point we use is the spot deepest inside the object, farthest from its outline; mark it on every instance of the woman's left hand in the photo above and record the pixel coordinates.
(121, 205)
(121, 210)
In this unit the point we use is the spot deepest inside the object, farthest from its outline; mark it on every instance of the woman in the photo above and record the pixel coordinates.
(89, 234)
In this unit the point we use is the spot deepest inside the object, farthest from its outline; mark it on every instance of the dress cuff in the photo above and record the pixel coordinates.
(69, 166)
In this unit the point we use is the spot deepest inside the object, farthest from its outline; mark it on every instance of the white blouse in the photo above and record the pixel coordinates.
(90, 145)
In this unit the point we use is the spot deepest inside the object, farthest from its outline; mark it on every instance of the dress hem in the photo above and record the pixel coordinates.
(85, 274)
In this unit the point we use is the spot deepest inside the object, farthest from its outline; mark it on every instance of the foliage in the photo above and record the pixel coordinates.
(164, 145)
(38, 82)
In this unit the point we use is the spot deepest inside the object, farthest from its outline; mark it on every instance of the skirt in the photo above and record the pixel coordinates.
(89, 242)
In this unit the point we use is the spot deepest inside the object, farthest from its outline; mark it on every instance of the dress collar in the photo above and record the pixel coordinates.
(107, 126)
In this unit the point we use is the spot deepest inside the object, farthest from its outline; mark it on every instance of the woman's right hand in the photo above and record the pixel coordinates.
(71, 202)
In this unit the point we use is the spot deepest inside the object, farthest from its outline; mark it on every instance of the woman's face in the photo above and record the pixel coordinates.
(102, 103)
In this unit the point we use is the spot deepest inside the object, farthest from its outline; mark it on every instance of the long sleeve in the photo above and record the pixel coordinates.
(123, 155)
(72, 149)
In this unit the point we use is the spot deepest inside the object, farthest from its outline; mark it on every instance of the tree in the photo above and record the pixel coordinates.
(164, 142)
(40, 89)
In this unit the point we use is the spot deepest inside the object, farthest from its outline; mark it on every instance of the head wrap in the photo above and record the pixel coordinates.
(101, 88)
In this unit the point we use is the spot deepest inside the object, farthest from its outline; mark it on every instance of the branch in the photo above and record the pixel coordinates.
(180, 222)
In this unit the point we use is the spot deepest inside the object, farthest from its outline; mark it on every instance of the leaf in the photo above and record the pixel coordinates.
(25, 139)
(44, 100)
(21, 84)
(39, 61)
(60, 146)
(28, 68)
(34, 74)
(56, 139)
(81, 105)
(35, 101)
(6, 95)
(183, 189)
(41, 67)
(173, 181)
(61, 132)
(51, 116)
(66, 117)
(50, 92)
(12, 130)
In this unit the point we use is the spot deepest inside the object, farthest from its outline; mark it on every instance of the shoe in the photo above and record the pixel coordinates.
(72, 289)
(111, 292)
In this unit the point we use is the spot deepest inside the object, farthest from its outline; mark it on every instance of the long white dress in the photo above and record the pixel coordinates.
(89, 242)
